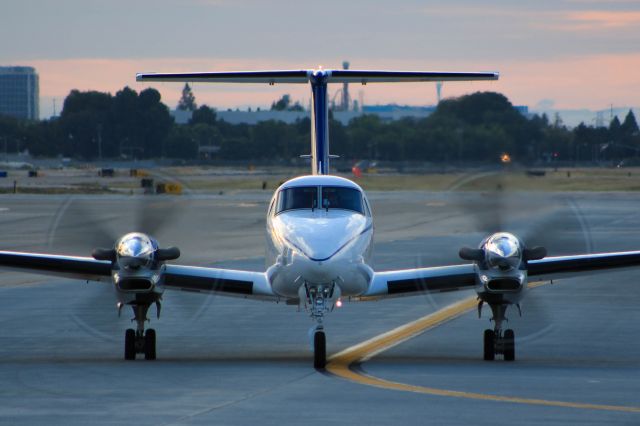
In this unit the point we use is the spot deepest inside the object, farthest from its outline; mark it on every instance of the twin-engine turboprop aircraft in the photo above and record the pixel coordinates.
(320, 236)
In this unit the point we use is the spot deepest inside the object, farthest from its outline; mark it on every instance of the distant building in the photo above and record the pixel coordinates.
(388, 112)
(385, 112)
(392, 112)
(19, 92)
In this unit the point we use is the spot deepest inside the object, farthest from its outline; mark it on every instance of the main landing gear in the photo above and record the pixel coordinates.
(138, 341)
(496, 341)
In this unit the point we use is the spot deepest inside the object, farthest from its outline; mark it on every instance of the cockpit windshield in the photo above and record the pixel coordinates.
(301, 197)
(333, 197)
(338, 197)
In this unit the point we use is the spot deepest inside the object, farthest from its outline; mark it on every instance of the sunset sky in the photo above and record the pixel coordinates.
(561, 53)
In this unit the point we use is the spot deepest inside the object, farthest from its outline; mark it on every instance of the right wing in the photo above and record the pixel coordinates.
(84, 268)
(228, 282)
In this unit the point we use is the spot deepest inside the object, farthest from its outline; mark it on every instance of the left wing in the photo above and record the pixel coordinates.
(568, 266)
(464, 277)
(422, 280)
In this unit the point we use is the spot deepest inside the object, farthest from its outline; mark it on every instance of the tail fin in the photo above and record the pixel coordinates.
(318, 80)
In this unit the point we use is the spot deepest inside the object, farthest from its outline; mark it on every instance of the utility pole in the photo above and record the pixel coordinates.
(100, 141)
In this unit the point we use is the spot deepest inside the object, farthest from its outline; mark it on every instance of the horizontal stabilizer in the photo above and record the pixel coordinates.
(270, 77)
(306, 76)
(364, 77)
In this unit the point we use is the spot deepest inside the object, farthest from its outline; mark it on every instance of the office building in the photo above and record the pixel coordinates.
(19, 92)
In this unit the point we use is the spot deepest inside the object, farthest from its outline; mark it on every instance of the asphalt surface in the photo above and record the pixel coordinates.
(233, 361)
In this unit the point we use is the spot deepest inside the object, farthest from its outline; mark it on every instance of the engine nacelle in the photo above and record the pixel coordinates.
(136, 261)
(501, 261)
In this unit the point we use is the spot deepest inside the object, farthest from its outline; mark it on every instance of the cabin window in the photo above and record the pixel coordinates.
(302, 197)
(338, 197)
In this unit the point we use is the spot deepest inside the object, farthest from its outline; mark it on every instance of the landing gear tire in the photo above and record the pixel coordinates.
(319, 350)
(130, 344)
(150, 344)
(509, 345)
(489, 345)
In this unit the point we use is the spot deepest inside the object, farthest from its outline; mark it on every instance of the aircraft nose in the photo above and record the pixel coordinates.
(320, 240)
(315, 246)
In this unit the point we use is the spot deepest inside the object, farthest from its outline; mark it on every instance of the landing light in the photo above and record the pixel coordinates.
(339, 303)
(505, 158)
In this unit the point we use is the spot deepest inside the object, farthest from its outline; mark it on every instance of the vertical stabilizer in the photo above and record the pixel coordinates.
(319, 124)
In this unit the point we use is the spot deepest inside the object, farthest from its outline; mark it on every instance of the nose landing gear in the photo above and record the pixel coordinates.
(318, 302)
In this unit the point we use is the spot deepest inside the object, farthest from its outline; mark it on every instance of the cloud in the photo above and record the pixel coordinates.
(545, 104)
(593, 20)
(605, 19)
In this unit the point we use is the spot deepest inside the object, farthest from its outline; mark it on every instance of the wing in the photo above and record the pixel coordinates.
(422, 280)
(188, 278)
(84, 268)
(568, 266)
(228, 282)
(464, 277)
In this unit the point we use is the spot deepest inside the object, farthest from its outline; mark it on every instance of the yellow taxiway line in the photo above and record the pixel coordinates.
(341, 364)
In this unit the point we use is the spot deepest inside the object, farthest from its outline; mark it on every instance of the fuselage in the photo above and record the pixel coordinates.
(319, 233)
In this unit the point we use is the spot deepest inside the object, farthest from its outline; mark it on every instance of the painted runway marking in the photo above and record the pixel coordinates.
(343, 363)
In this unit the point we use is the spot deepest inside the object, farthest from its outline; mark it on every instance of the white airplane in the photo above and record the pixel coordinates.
(320, 237)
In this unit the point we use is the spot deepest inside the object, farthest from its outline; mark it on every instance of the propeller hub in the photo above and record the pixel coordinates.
(135, 250)
(503, 250)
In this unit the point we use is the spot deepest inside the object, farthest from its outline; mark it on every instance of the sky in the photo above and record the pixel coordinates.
(563, 54)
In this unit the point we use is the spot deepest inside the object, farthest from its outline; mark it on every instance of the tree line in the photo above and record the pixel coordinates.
(474, 128)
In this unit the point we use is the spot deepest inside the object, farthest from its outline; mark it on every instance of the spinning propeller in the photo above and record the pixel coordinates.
(137, 260)
(502, 257)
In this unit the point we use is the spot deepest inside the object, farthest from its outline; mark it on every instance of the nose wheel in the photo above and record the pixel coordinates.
(319, 350)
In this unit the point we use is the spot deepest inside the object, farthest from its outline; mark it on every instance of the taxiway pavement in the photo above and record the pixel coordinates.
(232, 361)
